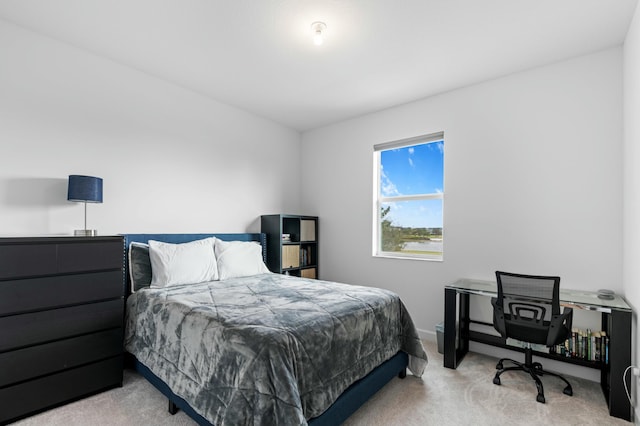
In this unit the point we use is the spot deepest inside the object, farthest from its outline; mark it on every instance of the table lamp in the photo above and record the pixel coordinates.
(87, 189)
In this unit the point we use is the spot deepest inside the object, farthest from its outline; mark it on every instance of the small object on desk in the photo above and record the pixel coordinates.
(605, 294)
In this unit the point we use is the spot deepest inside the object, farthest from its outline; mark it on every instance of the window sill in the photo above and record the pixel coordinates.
(409, 257)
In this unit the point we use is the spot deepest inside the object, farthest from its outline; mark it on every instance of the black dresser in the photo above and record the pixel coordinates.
(61, 320)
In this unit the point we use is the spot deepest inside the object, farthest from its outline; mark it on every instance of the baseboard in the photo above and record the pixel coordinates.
(427, 335)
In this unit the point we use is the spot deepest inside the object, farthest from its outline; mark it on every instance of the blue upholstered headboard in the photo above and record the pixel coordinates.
(185, 238)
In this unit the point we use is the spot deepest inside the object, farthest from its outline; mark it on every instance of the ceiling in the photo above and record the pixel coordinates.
(258, 55)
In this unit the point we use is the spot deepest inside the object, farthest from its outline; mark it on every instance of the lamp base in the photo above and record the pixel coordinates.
(85, 232)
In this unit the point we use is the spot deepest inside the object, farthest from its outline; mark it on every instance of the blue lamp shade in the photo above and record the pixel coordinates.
(85, 188)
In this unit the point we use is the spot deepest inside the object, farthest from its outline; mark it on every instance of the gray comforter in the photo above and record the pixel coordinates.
(267, 349)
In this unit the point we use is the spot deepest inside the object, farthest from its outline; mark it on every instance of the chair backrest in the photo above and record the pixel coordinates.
(527, 308)
(538, 290)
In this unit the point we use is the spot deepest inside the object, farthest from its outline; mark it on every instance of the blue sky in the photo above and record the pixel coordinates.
(414, 170)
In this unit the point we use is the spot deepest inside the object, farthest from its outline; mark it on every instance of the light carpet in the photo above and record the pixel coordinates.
(442, 397)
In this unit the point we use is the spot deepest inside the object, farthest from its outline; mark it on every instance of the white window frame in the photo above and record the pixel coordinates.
(379, 200)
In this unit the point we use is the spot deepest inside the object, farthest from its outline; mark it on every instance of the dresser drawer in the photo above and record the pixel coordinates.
(35, 395)
(61, 290)
(60, 256)
(34, 361)
(27, 260)
(18, 331)
(90, 256)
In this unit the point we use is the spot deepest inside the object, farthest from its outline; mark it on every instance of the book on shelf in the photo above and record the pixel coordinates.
(581, 344)
(520, 344)
(305, 256)
(585, 344)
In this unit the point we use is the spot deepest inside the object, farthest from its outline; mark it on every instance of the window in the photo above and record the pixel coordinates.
(408, 198)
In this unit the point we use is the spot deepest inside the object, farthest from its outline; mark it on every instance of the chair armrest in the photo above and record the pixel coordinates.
(498, 318)
(557, 325)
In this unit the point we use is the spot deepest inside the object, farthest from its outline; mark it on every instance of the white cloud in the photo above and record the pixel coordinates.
(387, 188)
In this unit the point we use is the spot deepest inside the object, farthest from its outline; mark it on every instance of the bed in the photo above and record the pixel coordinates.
(253, 347)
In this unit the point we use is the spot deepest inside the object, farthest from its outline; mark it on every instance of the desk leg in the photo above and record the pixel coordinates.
(453, 328)
(619, 331)
(463, 325)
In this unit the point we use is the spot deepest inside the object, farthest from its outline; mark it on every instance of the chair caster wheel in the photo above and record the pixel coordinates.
(496, 380)
(568, 391)
(540, 399)
(499, 366)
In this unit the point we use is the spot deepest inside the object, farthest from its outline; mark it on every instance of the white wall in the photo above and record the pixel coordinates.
(171, 159)
(532, 183)
(631, 179)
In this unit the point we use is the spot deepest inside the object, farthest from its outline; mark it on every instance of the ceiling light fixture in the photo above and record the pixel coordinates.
(317, 28)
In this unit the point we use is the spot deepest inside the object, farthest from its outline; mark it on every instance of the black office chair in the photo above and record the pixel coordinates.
(528, 309)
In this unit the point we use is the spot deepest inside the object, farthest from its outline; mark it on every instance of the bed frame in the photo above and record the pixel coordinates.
(350, 400)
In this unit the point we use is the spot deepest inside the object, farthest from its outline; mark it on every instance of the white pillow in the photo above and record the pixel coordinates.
(186, 263)
(239, 259)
